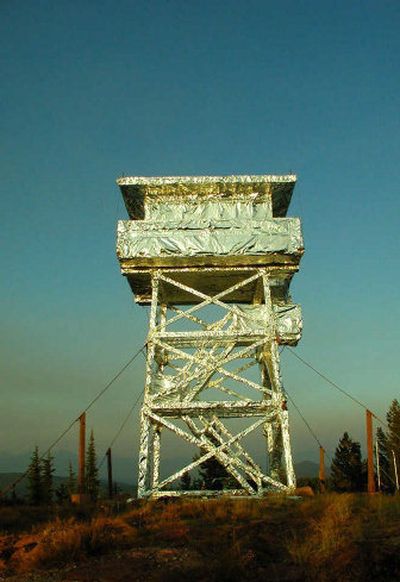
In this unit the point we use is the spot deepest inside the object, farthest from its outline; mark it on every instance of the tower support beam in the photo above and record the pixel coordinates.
(213, 257)
(204, 383)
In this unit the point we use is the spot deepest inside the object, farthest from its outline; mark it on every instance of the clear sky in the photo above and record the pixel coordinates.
(95, 89)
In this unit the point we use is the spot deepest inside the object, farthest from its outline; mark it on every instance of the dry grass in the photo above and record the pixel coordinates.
(325, 538)
(328, 548)
(349, 537)
(63, 542)
(21, 518)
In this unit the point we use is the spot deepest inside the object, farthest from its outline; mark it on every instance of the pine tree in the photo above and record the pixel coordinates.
(92, 480)
(393, 437)
(71, 483)
(185, 482)
(62, 494)
(47, 478)
(214, 476)
(197, 484)
(384, 461)
(35, 485)
(347, 468)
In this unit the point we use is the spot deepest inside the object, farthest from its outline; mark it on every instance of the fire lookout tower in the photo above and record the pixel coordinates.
(214, 256)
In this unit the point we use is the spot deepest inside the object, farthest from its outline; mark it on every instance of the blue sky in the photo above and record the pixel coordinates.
(94, 89)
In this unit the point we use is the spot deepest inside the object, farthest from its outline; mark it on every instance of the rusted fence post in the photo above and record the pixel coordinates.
(321, 470)
(109, 474)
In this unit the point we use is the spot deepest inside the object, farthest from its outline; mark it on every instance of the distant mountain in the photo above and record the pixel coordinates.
(124, 469)
(21, 489)
(7, 479)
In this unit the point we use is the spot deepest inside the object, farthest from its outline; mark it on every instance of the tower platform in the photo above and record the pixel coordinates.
(212, 229)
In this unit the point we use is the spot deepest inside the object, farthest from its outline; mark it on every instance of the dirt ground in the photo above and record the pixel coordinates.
(151, 565)
(333, 538)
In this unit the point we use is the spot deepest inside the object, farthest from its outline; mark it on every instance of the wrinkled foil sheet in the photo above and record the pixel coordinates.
(195, 215)
(140, 192)
(288, 321)
(154, 239)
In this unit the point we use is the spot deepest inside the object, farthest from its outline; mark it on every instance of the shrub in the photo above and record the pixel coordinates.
(328, 549)
(64, 542)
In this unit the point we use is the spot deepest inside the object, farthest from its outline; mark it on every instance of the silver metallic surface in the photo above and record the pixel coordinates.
(201, 243)
(140, 192)
(278, 236)
(211, 280)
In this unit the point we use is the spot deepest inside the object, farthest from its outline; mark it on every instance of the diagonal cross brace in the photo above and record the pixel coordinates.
(208, 299)
(220, 369)
(198, 443)
(254, 472)
(225, 461)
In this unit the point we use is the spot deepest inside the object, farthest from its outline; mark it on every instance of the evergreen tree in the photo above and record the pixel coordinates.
(384, 461)
(214, 476)
(62, 494)
(185, 482)
(347, 472)
(393, 436)
(47, 479)
(71, 483)
(92, 480)
(35, 485)
(197, 484)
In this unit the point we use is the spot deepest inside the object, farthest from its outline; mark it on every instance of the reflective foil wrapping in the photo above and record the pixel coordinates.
(288, 321)
(195, 243)
(137, 239)
(140, 193)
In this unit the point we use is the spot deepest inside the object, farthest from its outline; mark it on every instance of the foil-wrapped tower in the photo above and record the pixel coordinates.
(214, 256)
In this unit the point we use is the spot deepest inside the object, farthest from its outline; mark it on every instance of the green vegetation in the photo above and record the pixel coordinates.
(40, 479)
(35, 479)
(72, 483)
(41, 484)
(47, 479)
(92, 475)
(348, 470)
(347, 466)
(185, 482)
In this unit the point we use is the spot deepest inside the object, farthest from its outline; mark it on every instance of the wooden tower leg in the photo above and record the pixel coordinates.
(82, 450)
(321, 470)
(109, 474)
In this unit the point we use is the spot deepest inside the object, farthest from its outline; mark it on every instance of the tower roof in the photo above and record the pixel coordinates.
(137, 190)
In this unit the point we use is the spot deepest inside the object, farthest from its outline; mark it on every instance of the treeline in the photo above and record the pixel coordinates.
(349, 470)
(41, 488)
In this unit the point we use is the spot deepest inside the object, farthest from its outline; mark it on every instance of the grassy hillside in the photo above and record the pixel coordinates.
(325, 538)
